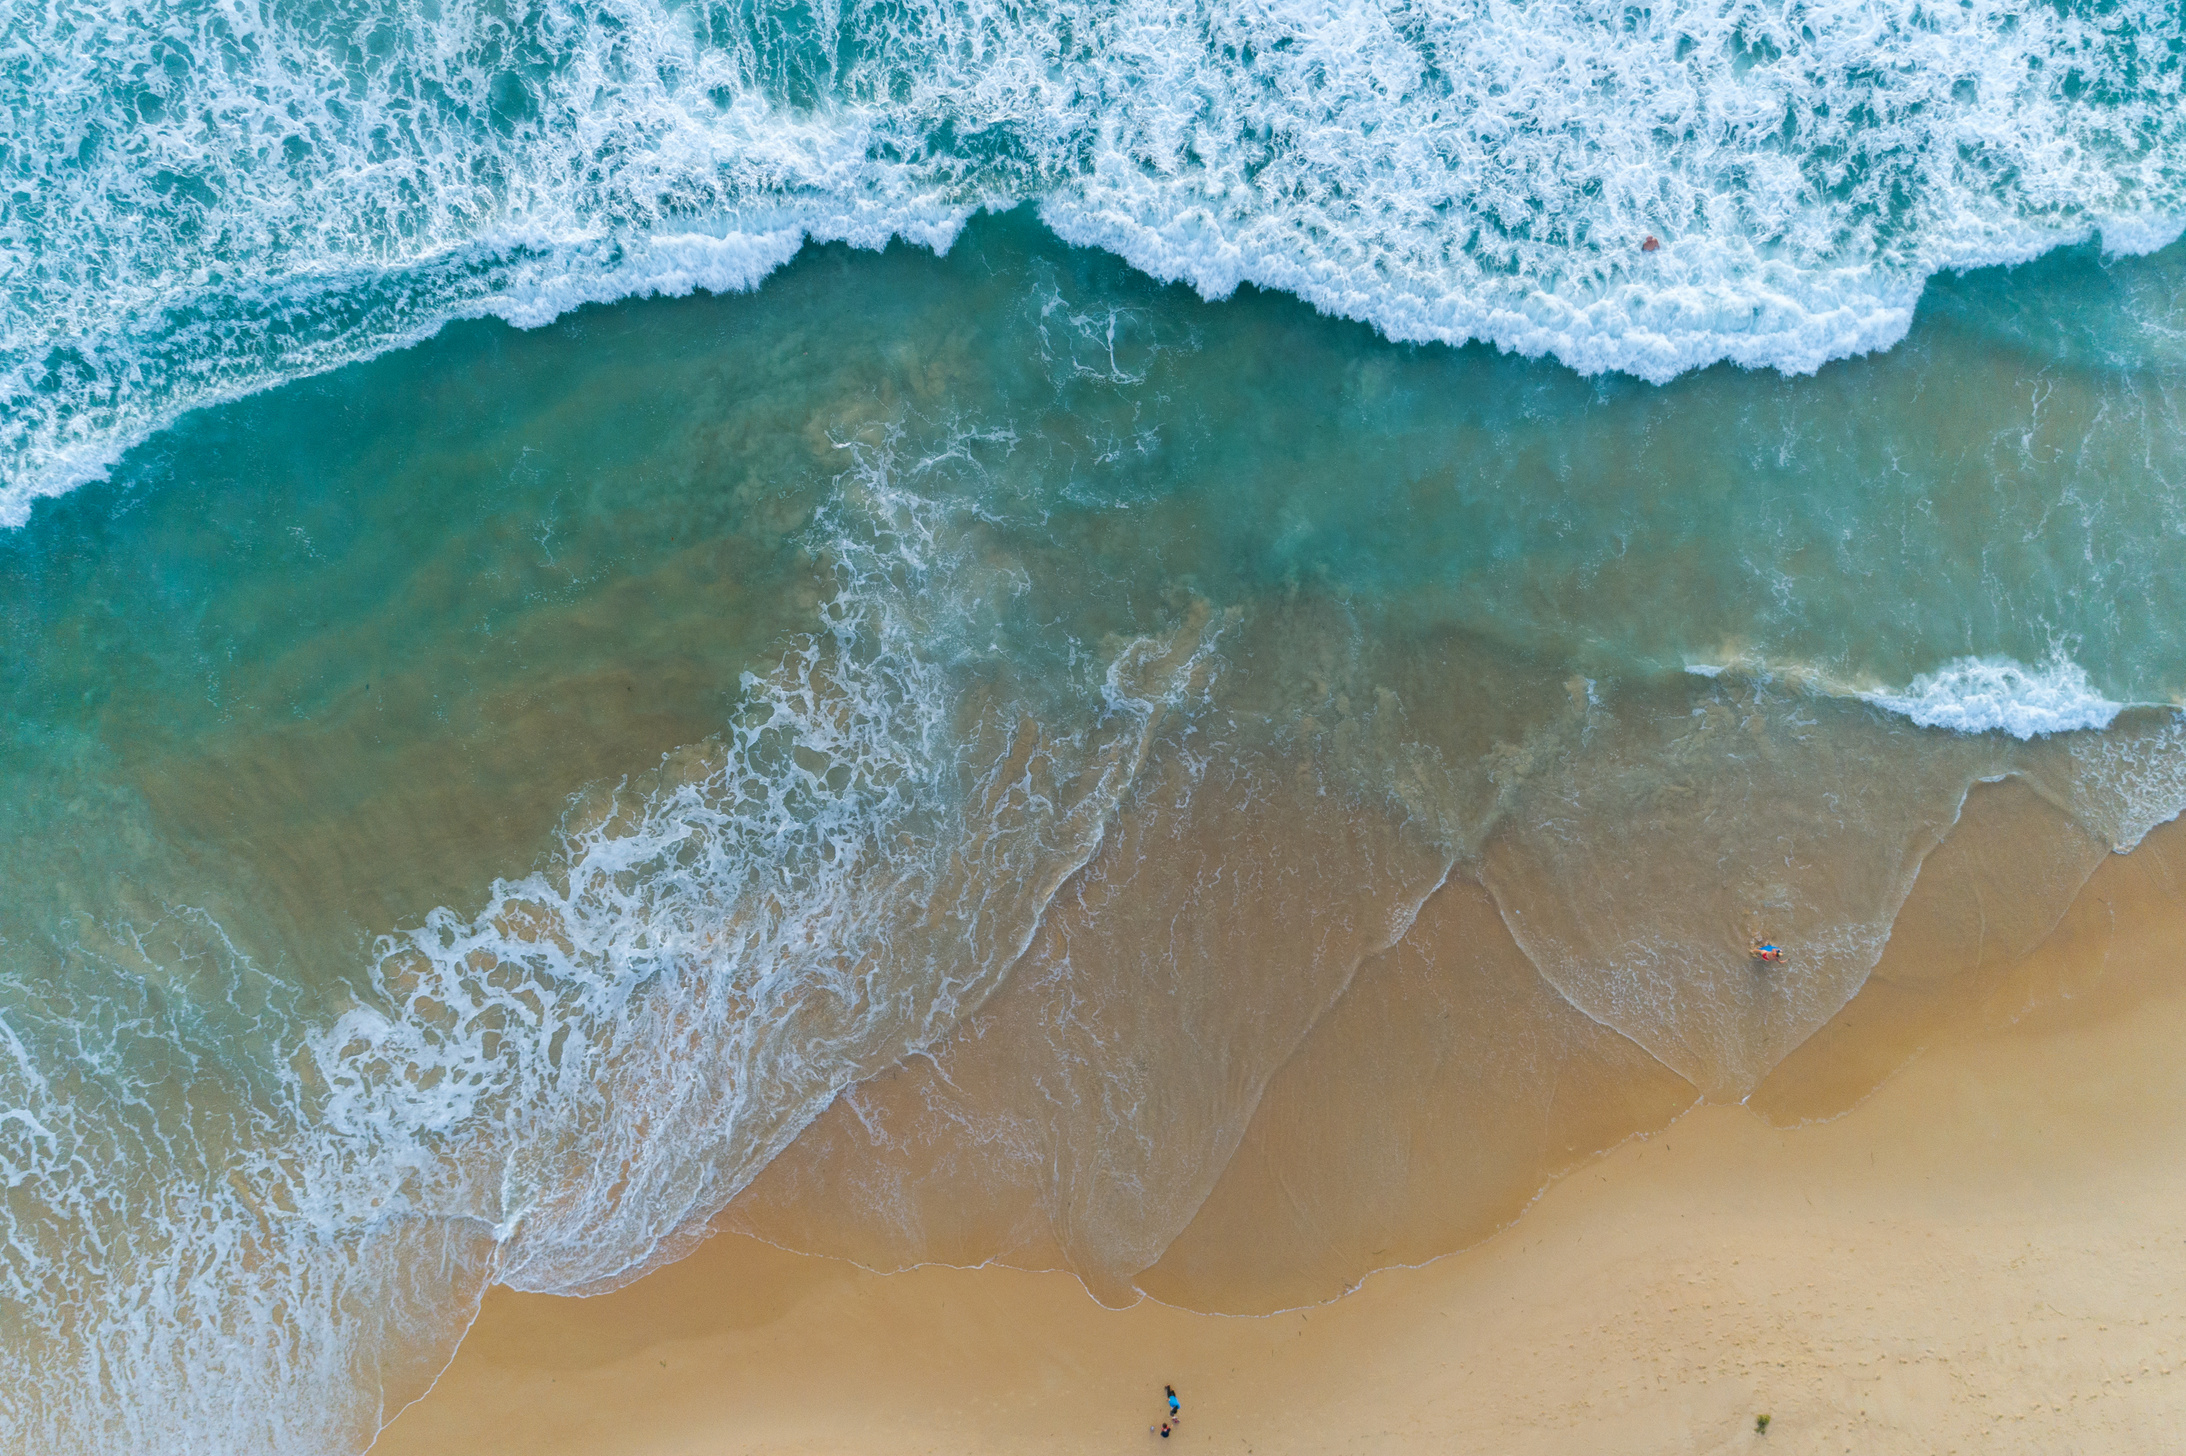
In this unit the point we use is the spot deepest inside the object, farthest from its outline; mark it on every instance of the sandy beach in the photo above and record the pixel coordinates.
(1986, 1253)
(853, 729)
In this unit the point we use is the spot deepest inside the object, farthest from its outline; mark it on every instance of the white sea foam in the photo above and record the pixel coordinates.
(156, 1191)
(2128, 781)
(185, 231)
(2132, 237)
(1998, 695)
(629, 1039)
(557, 1090)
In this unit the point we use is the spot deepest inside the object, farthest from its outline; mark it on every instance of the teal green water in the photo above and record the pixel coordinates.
(201, 202)
(465, 812)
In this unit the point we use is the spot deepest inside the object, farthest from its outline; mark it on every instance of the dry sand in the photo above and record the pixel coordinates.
(1988, 1253)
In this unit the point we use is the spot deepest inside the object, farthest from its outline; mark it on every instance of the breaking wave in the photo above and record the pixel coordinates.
(1997, 695)
(203, 198)
(557, 1091)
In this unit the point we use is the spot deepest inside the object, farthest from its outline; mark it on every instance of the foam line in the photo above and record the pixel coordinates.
(555, 1090)
(188, 231)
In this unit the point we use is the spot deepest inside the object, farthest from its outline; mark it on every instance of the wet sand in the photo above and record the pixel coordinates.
(1988, 1252)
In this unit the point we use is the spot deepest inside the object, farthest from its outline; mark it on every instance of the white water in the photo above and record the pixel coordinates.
(557, 1091)
(1997, 695)
(209, 198)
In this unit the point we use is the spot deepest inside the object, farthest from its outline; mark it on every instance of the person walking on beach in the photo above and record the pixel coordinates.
(1167, 1427)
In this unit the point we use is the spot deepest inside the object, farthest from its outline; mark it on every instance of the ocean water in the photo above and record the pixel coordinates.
(953, 632)
(203, 198)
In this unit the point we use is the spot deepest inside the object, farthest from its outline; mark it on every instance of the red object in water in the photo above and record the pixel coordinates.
(1651, 244)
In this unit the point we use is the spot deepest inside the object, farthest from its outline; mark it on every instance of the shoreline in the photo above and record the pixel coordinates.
(1992, 1240)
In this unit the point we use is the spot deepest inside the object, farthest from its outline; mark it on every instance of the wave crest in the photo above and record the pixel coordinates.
(191, 231)
(1999, 695)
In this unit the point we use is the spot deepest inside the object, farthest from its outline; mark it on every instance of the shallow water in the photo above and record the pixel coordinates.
(469, 812)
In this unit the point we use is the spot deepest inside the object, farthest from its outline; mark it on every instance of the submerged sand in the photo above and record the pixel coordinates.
(1987, 1251)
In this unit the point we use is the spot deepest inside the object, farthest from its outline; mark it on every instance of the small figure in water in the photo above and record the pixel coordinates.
(1650, 244)
(1766, 951)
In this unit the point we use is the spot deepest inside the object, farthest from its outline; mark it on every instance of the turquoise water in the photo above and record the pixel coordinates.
(201, 199)
(466, 810)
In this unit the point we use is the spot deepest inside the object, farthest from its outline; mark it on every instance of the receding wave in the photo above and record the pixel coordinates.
(202, 200)
(557, 1091)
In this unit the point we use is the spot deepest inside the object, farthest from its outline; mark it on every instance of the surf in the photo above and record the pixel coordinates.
(913, 755)
(206, 202)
